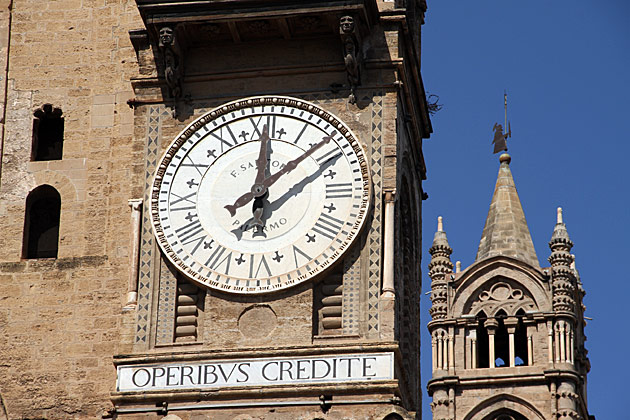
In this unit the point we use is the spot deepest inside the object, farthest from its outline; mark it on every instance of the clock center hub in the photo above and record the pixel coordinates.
(295, 198)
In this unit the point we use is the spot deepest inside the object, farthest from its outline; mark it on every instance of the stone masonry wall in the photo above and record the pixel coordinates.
(61, 319)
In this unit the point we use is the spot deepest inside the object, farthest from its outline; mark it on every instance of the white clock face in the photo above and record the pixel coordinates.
(260, 194)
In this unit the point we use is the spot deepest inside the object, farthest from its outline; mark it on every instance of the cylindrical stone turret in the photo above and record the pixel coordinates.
(563, 276)
(439, 267)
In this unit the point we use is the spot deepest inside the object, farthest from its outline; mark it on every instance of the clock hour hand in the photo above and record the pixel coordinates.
(268, 182)
(257, 190)
(261, 162)
(258, 210)
(240, 202)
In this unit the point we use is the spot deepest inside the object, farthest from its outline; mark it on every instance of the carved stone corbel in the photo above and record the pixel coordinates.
(173, 60)
(352, 58)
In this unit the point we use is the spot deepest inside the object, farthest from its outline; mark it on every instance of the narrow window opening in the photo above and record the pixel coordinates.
(47, 134)
(41, 223)
(520, 341)
(482, 342)
(501, 341)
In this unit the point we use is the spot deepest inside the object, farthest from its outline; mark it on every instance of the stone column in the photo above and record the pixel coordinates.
(557, 341)
(451, 348)
(473, 360)
(388, 246)
(571, 344)
(550, 340)
(439, 350)
(563, 344)
(567, 341)
(134, 255)
(510, 324)
(445, 350)
(434, 351)
(491, 325)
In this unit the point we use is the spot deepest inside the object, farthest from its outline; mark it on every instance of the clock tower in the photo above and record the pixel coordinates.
(276, 226)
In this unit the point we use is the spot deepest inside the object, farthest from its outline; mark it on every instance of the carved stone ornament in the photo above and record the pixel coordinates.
(351, 53)
(502, 295)
(173, 61)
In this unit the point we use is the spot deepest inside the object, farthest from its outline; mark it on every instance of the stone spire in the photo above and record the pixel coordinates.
(506, 232)
(439, 267)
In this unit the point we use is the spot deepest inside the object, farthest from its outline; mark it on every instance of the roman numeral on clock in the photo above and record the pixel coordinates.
(271, 125)
(328, 157)
(342, 190)
(183, 199)
(300, 133)
(221, 137)
(215, 261)
(255, 124)
(198, 241)
(261, 264)
(186, 232)
(327, 226)
(192, 164)
(297, 251)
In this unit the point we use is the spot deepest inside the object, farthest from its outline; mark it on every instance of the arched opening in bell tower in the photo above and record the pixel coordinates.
(520, 341)
(501, 342)
(483, 354)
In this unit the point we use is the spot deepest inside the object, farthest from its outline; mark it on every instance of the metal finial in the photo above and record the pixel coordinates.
(559, 218)
(500, 139)
(440, 227)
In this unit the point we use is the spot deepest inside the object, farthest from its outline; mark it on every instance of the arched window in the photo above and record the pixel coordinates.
(501, 342)
(47, 134)
(41, 223)
(520, 341)
(482, 341)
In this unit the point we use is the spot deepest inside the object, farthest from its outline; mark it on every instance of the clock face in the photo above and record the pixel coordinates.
(260, 194)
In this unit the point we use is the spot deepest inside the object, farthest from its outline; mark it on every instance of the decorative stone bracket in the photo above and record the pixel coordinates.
(173, 60)
(352, 57)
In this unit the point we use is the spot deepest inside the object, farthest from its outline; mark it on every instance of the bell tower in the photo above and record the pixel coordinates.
(507, 335)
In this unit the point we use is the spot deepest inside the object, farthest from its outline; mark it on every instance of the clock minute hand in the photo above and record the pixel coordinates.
(268, 182)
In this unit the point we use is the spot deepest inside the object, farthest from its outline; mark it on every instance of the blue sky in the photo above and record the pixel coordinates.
(566, 68)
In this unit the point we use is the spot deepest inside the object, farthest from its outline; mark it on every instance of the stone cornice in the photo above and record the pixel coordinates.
(187, 355)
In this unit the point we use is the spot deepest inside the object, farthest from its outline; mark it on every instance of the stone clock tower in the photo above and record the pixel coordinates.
(211, 209)
(507, 335)
(282, 144)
